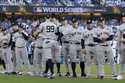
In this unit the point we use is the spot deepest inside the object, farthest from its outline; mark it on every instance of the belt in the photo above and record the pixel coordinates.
(77, 43)
(39, 47)
(123, 42)
(6, 47)
(66, 42)
(104, 45)
(20, 47)
(48, 39)
(90, 45)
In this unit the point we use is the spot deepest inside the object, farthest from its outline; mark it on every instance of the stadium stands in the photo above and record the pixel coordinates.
(65, 2)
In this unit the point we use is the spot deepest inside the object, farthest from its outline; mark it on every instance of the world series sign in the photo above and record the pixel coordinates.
(60, 9)
(67, 9)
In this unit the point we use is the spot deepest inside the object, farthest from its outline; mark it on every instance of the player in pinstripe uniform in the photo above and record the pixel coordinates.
(39, 58)
(1, 60)
(89, 47)
(6, 51)
(102, 37)
(57, 20)
(121, 49)
(75, 48)
(19, 39)
(50, 44)
(66, 28)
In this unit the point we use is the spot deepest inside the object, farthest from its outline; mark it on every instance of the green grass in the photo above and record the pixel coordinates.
(30, 79)
(107, 69)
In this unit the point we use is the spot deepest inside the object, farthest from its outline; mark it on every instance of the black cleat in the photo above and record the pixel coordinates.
(83, 75)
(100, 77)
(74, 75)
(59, 74)
(7, 73)
(44, 74)
(19, 73)
(114, 75)
(13, 73)
(67, 74)
(52, 76)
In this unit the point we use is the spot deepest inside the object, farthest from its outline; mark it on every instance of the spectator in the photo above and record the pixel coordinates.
(113, 2)
(6, 23)
(66, 2)
(3, 2)
(86, 2)
(96, 2)
(49, 2)
(16, 2)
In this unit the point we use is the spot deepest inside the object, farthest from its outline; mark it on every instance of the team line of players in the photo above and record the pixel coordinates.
(52, 38)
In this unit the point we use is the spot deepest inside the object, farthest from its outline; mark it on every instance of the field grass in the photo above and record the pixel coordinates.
(27, 79)
(30, 79)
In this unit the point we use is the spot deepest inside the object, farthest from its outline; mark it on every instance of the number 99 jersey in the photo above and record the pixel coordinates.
(48, 29)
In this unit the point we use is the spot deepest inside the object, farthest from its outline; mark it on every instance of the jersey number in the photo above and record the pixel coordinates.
(50, 28)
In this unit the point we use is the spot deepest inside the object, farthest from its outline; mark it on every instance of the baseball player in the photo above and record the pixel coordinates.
(110, 54)
(50, 44)
(6, 51)
(57, 22)
(75, 49)
(66, 28)
(1, 60)
(103, 48)
(20, 38)
(121, 49)
(89, 47)
(114, 44)
(38, 55)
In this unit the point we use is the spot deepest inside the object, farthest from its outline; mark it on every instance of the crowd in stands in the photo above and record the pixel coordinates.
(64, 2)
